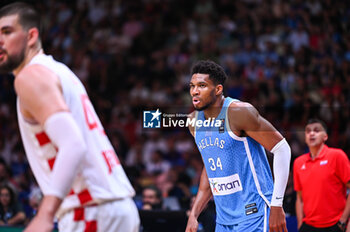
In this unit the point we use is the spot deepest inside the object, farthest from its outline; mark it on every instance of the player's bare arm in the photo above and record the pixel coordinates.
(202, 198)
(244, 118)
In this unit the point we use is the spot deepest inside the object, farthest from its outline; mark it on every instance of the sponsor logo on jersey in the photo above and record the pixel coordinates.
(323, 162)
(225, 185)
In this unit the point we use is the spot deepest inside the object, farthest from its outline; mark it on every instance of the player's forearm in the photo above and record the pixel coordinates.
(281, 163)
(203, 196)
(200, 202)
(65, 134)
(49, 206)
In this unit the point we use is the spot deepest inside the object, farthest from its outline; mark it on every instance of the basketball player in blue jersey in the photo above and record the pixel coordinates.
(236, 171)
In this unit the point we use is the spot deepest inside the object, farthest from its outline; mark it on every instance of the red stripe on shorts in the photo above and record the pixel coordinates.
(79, 214)
(42, 138)
(84, 196)
(90, 226)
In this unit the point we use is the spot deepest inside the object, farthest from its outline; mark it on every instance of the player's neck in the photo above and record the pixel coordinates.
(316, 150)
(29, 56)
(214, 110)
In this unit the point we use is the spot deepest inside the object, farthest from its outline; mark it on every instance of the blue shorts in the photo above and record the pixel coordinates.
(257, 224)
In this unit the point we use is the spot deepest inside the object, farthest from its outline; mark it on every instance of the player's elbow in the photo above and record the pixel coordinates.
(282, 149)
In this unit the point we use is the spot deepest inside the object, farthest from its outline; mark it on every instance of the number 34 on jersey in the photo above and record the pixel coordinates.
(215, 164)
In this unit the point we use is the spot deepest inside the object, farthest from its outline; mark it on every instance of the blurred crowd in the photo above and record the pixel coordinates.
(290, 59)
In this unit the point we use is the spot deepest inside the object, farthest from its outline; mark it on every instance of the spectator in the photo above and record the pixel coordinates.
(5, 176)
(152, 198)
(157, 165)
(35, 198)
(320, 179)
(11, 212)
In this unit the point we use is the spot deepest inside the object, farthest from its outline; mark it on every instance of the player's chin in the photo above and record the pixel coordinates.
(198, 107)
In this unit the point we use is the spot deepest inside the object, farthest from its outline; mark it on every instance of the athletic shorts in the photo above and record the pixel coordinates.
(114, 216)
(257, 224)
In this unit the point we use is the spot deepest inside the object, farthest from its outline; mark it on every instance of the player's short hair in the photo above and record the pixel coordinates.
(28, 16)
(215, 71)
(316, 120)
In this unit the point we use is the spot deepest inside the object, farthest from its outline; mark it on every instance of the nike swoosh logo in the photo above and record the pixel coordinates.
(279, 198)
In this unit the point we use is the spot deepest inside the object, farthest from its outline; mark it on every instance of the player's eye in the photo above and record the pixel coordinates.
(6, 31)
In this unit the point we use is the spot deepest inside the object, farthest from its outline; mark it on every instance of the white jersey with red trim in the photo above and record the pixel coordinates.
(100, 176)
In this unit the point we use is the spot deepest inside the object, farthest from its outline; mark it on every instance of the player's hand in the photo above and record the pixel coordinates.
(40, 224)
(192, 224)
(277, 222)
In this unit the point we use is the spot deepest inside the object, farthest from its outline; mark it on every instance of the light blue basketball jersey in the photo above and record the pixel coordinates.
(237, 167)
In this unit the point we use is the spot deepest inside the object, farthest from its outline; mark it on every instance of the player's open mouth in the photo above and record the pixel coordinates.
(195, 101)
(2, 54)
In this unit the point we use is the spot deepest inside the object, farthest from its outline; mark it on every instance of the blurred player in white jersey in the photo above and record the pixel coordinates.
(72, 159)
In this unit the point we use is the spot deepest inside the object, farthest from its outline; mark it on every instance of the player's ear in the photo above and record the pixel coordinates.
(33, 36)
(219, 89)
(325, 137)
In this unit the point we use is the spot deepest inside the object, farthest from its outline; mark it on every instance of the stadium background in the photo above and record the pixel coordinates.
(290, 59)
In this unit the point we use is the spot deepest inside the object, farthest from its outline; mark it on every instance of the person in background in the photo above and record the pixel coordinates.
(152, 198)
(321, 180)
(236, 170)
(68, 150)
(11, 212)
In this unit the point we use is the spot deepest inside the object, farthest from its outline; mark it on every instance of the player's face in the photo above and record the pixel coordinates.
(12, 43)
(315, 135)
(202, 90)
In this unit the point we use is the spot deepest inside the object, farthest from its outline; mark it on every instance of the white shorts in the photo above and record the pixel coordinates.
(115, 216)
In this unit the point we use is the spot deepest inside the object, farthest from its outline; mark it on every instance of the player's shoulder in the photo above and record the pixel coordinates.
(240, 107)
(191, 116)
(237, 103)
(243, 114)
(34, 77)
(35, 73)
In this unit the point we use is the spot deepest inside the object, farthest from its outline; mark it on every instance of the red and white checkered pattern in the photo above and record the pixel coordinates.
(100, 177)
(108, 217)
